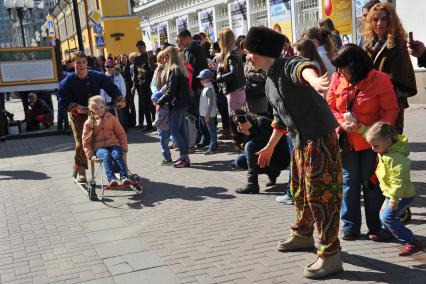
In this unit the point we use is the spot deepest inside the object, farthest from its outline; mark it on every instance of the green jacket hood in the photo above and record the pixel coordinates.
(400, 146)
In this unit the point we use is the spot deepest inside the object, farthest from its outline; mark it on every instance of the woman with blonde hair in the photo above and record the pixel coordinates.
(230, 73)
(159, 79)
(177, 96)
(386, 43)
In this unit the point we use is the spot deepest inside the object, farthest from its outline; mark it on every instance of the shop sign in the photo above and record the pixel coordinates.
(162, 32)
(239, 23)
(207, 23)
(154, 37)
(280, 11)
(340, 12)
(182, 23)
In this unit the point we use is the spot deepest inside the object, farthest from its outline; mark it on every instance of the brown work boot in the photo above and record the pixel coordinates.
(324, 266)
(81, 178)
(296, 242)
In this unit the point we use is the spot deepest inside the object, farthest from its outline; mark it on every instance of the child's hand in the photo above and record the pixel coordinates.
(393, 206)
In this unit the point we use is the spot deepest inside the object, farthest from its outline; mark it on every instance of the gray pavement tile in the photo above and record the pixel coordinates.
(159, 275)
(107, 280)
(121, 247)
(133, 262)
(103, 224)
(111, 235)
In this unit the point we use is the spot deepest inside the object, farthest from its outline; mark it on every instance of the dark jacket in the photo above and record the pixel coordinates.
(178, 93)
(41, 107)
(260, 132)
(234, 76)
(75, 90)
(395, 61)
(255, 79)
(196, 56)
(421, 61)
(126, 73)
(298, 108)
(142, 73)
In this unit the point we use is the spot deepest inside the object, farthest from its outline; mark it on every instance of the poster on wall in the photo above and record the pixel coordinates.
(238, 10)
(154, 37)
(280, 11)
(182, 23)
(206, 23)
(162, 32)
(340, 11)
(17, 67)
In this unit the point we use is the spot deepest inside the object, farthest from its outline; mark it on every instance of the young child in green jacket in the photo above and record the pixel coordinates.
(393, 173)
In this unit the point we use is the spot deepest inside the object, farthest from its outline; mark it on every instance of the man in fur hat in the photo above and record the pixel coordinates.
(293, 86)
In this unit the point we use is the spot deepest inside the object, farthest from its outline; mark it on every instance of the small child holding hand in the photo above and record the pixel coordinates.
(393, 173)
(161, 122)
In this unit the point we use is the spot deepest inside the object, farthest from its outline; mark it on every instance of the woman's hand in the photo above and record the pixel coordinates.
(350, 126)
(265, 155)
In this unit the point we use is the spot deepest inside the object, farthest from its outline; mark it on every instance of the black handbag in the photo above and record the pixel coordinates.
(255, 90)
(344, 145)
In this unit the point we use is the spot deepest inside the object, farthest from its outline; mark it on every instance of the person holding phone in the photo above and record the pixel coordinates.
(385, 42)
(417, 49)
(251, 133)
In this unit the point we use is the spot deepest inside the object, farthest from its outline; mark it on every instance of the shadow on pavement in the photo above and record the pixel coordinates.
(23, 175)
(384, 271)
(155, 192)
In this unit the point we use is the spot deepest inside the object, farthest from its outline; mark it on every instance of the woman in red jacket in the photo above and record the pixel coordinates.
(359, 96)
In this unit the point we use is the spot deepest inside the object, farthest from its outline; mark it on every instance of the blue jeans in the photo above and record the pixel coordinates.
(358, 167)
(212, 127)
(110, 155)
(391, 222)
(178, 129)
(164, 142)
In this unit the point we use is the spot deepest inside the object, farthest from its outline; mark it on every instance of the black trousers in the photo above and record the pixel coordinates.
(146, 107)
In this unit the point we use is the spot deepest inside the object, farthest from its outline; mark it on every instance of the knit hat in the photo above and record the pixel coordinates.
(264, 41)
(109, 63)
(156, 96)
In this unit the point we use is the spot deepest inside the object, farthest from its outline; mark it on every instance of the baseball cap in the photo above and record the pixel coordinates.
(206, 73)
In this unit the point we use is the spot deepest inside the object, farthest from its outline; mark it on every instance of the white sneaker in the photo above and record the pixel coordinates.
(285, 199)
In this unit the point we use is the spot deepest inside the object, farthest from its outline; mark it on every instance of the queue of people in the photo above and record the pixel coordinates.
(334, 113)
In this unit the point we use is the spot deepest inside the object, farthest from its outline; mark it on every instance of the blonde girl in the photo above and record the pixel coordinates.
(177, 95)
(104, 138)
(393, 172)
(230, 71)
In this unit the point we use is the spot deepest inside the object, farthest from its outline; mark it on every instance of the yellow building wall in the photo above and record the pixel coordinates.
(111, 8)
(127, 43)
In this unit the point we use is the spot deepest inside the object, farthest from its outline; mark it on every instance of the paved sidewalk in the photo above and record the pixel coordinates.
(188, 226)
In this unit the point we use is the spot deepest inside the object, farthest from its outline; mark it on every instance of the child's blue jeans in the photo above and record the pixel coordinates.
(110, 155)
(212, 127)
(164, 143)
(390, 221)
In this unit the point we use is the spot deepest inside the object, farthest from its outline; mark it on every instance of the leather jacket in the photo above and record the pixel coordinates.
(178, 93)
(233, 78)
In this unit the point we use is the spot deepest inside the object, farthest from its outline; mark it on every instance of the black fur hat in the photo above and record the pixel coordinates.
(264, 41)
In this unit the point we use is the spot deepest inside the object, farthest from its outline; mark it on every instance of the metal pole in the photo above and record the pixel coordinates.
(89, 29)
(20, 13)
(78, 26)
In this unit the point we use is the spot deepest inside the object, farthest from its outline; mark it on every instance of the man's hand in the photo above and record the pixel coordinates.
(393, 206)
(350, 126)
(418, 48)
(320, 84)
(207, 119)
(265, 155)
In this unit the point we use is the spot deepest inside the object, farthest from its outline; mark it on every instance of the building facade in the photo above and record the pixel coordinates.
(6, 36)
(117, 31)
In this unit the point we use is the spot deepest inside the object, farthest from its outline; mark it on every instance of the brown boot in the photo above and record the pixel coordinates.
(296, 242)
(324, 266)
(81, 178)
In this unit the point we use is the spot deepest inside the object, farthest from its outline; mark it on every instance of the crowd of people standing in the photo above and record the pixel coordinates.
(333, 111)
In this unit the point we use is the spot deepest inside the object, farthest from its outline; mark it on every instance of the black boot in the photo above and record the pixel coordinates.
(249, 188)
(272, 181)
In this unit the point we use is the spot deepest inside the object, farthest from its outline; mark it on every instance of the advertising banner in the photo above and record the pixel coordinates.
(340, 11)
(238, 10)
(182, 23)
(162, 32)
(206, 23)
(154, 37)
(280, 11)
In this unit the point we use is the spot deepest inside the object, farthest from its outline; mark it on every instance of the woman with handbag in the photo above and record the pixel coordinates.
(359, 96)
(386, 43)
(256, 100)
